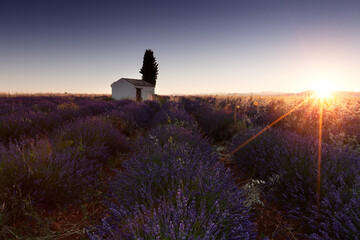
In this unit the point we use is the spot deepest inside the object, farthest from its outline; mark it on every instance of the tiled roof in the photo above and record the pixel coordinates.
(138, 82)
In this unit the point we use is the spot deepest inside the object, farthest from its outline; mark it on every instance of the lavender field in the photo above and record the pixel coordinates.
(88, 167)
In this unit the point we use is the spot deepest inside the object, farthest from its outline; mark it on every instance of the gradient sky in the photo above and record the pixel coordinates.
(242, 46)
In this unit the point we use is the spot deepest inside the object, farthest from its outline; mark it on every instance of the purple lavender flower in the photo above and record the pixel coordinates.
(131, 117)
(32, 173)
(92, 137)
(173, 113)
(287, 162)
(175, 190)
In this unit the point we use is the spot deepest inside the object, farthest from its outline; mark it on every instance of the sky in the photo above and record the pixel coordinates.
(227, 46)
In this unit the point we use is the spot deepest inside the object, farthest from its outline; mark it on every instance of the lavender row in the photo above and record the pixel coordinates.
(59, 169)
(174, 188)
(341, 121)
(288, 163)
(33, 116)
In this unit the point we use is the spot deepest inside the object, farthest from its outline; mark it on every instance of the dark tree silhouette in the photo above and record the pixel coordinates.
(149, 69)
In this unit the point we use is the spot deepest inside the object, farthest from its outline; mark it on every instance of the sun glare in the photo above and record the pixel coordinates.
(324, 89)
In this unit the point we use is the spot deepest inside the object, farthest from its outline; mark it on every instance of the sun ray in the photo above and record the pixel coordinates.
(313, 104)
(263, 130)
(318, 185)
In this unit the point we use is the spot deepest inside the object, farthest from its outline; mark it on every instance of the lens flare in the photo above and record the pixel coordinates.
(324, 89)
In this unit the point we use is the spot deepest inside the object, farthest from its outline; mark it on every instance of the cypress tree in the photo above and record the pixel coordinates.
(149, 69)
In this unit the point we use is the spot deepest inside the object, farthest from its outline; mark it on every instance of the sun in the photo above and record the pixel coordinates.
(324, 89)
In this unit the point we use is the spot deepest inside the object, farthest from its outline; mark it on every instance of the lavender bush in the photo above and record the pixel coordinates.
(152, 173)
(288, 164)
(173, 135)
(175, 190)
(181, 218)
(31, 173)
(339, 213)
(153, 104)
(131, 117)
(173, 113)
(33, 116)
(16, 125)
(216, 124)
(264, 156)
(92, 137)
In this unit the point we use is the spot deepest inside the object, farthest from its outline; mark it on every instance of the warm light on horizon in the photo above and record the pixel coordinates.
(324, 89)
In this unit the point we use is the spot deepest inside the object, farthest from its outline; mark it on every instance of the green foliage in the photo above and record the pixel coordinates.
(149, 69)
